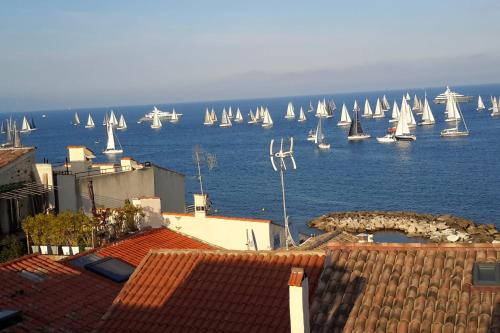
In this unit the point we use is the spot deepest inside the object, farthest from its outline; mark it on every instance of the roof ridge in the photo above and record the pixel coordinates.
(18, 259)
(237, 252)
(415, 246)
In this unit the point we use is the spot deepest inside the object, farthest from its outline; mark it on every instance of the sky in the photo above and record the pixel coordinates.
(62, 54)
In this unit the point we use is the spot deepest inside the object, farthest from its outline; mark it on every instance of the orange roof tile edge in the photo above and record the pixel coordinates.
(296, 277)
(413, 246)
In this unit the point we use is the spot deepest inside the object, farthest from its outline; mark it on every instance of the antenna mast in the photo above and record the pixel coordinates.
(281, 156)
(200, 156)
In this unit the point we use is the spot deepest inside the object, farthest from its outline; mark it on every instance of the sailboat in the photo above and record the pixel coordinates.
(32, 124)
(105, 120)
(480, 104)
(238, 118)
(2, 129)
(452, 112)
(395, 113)
(25, 127)
(356, 131)
(76, 119)
(331, 107)
(379, 113)
(90, 122)
(385, 103)
(122, 124)
(230, 113)
(454, 109)
(213, 115)
(367, 113)
(110, 146)
(495, 111)
(207, 121)
(321, 110)
(302, 115)
(345, 119)
(224, 119)
(252, 118)
(156, 120)
(409, 113)
(267, 121)
(311, 108)
(408, 96)
(427, 116)
(112, 118)
(174, 118)
(290, 111)
(319, 138)
(402, 129)
(416, 104)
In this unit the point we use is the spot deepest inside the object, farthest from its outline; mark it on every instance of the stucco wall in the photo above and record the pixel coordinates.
(18, 170)
(230, 234)
(66, 193)
(169, 186)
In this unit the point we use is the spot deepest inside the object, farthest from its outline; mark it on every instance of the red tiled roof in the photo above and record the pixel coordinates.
(66, 300)
(200, 291)
(9, 155)
(368, 287)
(296, 277)
(132, 249)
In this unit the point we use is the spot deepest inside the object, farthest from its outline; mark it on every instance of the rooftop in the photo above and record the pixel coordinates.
(9, 155)
(369, 287)
(194, 290)
(53, 296)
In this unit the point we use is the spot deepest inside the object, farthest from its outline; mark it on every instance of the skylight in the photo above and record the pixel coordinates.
(486, 274)
(112, 268)
(9, 318)
(33, 276)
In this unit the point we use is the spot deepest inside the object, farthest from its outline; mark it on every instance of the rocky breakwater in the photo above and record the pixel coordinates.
(436, 228)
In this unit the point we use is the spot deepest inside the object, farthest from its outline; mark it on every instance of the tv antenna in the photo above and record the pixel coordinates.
(281, 155)
(201, 157)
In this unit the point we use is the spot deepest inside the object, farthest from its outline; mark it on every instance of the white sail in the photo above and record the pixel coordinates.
(156, 119)
(408, 96)
(174, 117)
(345, 118)
(90, 122)
(402, 127)
(251, 117)
(368, 109)
(230, 113)
(395, 111)
(25, 127)
(122, 124)
(385, 103)
(318, 138)
(267, 120)
(208, 119)
(302, 115)
(480, 103)
(379, 112)
(321, 110)
(213, 115)
(105, 120)
(416, 103)
(112, 118)
(405, 107)
(76, 119)
(427, 116)
(495, 111)
(452, 109)
(224, 119)
(238, 118)
(111, 139)
(290, 111)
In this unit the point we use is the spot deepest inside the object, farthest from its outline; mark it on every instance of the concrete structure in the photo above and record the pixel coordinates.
(25, 187)
(231, 233)
(298, 286)
(112, 184)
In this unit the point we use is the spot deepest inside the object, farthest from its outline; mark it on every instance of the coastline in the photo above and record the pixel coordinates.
(435, 228)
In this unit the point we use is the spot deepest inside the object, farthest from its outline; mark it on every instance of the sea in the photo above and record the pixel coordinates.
(459, 176)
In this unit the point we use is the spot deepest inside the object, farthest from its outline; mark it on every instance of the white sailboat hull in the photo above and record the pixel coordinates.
(452, 119)
(324, 146)
(89, 126)
(367, 116)
(155, 126)
(495, 114)
(426, 122)
(344, 123)
(453, 132)
(393, 120)
(267, 125)
(289, 117)
(113, 151)
(359, 137)
(379, 116)
(405, 137)
(121, 128)
(388, 138)
(224, 125)
(301, 120)
(208, 124)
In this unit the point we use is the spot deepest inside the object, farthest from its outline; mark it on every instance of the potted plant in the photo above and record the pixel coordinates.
(32, 232)
(65, 229)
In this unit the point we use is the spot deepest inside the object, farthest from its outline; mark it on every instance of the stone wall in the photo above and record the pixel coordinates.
(437, 228)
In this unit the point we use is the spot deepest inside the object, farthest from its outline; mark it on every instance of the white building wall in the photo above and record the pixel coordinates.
(228, 233)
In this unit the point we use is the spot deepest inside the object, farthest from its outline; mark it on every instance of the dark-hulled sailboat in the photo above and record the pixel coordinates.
(356, 131)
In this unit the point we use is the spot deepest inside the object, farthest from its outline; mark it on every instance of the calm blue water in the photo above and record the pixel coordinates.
(434, 175)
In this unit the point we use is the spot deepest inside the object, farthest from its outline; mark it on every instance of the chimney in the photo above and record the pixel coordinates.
(200, 205)
(298, 286)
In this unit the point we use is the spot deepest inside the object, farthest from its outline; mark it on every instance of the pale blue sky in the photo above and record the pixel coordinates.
(58, 54)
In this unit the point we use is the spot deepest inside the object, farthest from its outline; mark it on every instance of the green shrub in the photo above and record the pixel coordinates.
(11, 248)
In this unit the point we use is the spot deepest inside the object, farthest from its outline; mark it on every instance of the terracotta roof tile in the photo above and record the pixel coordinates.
(210, 290)
(405, 288)
(67, 299)
(9, 155)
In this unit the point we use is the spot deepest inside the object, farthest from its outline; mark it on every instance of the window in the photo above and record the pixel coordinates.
(277, 241)
(9, 318)
(33, 276)
(486, 274)
(114, 269)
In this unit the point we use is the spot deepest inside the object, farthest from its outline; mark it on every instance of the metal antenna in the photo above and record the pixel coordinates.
(200, 156)
(281, 156)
